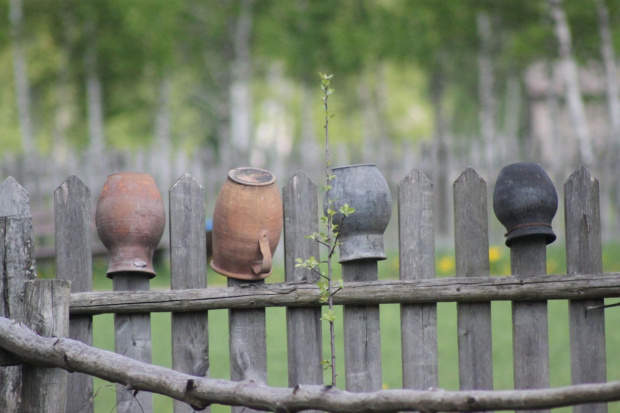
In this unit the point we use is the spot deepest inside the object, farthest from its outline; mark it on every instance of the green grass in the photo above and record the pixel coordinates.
(390, 333)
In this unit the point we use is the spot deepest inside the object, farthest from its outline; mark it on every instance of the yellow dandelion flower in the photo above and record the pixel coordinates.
(446, 265)
(495, 254)
(385, 386)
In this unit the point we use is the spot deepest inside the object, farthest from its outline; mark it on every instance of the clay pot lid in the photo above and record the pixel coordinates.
(252, 176)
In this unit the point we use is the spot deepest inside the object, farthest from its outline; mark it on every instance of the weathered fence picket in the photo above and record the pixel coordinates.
(18, 266)
(46, 312)
(584, 254)
(132, 338)
(188, 266)
(303, 324)
(471, 241)
(417, 262)
(417, 291)
(247, 342)
(72, 223)
(362, 335)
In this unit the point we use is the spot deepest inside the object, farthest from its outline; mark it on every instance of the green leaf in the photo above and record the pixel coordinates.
(346, 210)
(329, 316)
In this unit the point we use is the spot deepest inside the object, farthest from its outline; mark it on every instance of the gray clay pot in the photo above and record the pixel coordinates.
(525, 201)
(364, 188)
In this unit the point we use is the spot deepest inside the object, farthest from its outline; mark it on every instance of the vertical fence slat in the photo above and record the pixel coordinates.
(417, 261)
(46, 312)
(188, 269)
(362, 335)
(72, 216)
(247, 343)
(471, 236)
(303, 324)
(18, 266)
(132, 338)
(584, 256)
(530, 333)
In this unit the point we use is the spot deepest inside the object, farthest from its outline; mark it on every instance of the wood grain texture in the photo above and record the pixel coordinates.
(584, 254)
(450, 289)
(417, 262)
(303, 324)
(362, 334)
(132, 338)
(530, 332)
(72, 223)
(247, 344)
(188, 270)
(46, 312)
(471, 240)
(18, 265)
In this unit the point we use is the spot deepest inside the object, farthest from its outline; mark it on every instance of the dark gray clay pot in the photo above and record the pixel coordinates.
(361, 187)
(525, 201)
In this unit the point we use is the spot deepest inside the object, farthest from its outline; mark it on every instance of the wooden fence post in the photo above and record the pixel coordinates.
(247, 342)
(303, 324)
(72, 213)
(471, 238)
(525, 201)
(46, 312)
(132, 338)
(362, 334)
(18, 266)
(188, 270)
(584, 256)
(417, 261)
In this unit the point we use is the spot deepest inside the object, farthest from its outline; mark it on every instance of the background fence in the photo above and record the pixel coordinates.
(417, 291)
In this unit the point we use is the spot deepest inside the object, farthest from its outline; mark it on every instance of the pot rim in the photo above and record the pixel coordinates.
(232, 176)
(354, 166)
(130, 173)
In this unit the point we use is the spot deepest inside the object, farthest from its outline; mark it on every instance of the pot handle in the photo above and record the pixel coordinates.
(264, 266)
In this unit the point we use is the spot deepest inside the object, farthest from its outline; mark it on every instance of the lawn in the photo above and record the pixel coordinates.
(390, 333)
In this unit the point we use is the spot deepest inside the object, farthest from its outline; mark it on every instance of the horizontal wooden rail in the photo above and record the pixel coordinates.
(461, 289)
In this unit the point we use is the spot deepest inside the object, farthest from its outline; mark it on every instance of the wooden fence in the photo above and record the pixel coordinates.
(418, 291)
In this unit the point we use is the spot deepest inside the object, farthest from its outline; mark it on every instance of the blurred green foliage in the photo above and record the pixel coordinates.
(399, 48)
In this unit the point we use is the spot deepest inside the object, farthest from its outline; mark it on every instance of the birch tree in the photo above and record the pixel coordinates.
(20, 73)
(571, 78)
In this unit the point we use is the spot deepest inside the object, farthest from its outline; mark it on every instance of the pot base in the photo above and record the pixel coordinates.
(246, 277)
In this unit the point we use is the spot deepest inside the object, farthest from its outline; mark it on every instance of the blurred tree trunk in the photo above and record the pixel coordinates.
(571, 77)
(510, 149)
(486, 85)
(20, 71)
(439, 172)
(163, 134)
(94, 99)
(309, 149)
(611, 73)
(240, 93)
(63, 115)
(612, 169)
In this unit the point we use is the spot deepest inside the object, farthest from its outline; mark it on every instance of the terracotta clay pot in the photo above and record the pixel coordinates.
(130, 221)
(247, 222)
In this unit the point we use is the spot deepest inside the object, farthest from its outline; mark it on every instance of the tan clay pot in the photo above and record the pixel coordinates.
(130, 220)
(247, 222)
